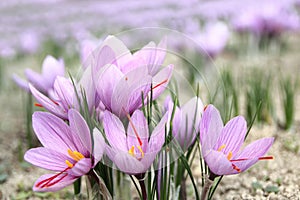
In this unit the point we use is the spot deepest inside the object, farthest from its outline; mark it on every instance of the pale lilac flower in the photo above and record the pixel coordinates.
(121, 78)
(67, 149)
(221, 145)
(213, 38)
(63, 96)
(43, 82)
(186, 121)
(133, 151)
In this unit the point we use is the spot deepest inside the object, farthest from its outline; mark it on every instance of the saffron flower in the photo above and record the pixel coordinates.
(121, 78)
(221, 145)
(63, 96)
(43, 82)
(133, 152)
(67, 149)
(186, 121)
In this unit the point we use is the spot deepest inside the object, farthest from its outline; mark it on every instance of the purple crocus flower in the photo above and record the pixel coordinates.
(63, 96)
(43, 82)
(67, 149)
(132, 151)
(221, 145)
(121, 78)
(186, 121)
(213, 39)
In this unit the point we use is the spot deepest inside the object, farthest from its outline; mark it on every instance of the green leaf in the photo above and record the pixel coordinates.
(256, 185)
(271, 188)
(3, 178)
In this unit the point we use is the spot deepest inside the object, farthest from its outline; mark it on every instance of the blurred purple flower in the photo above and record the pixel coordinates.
(43, 82)
(213, 39)
(121, 78)
(266, 19)
(221, 145)
(67, 149)
(133, 151)
(30, 42)
(186, 121)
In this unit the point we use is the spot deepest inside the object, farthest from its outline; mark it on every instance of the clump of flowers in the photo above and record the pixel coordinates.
(112, 118)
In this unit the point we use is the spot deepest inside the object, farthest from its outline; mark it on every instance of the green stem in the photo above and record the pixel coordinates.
(143, 188)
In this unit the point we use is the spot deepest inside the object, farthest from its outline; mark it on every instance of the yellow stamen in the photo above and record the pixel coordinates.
(229, 155)
(75, 155)
(131, 151)
(69, 164)
(221, 147)
(141, 150)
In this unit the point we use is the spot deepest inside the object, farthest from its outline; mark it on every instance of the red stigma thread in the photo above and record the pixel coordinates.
(156, 86)
(133, 127)
(48, 182)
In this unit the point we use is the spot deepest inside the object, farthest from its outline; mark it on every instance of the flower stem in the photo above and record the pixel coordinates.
(141, 178)
(206, 187)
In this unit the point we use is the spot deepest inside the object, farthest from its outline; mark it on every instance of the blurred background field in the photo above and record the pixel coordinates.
(244, 56)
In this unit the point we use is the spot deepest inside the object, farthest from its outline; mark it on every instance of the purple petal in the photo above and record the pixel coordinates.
(232, 135)
(81, 168)
(37, 80)
(127, 93)
(253, 152)
(105, 56)
(121, 51)
(46, 158)
(80, 132)
(64, 182)
(161, 80)
(190, 120)
(218, 163)
(99, 146)
(210, 127)
(105, 82)
(52, 132)
(139, 124)
(51, 69)
(48, 104)
(114, 131)
(127, 163)
(64, 91)
(21, 82)
(158, 135)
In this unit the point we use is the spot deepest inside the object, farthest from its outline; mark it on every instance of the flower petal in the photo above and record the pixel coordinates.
(64, 92)
(46, 158)
(114, 131)
(99, 146)
(81, 168)
(52, 132)
(218, 163)
(161, 80)
(21, 82)
(210, 127)
(158, 135)
(190, 120)
(232, 135)
(139, 126)
(80, 132)
(105, 82)
(253, 152)
(64, 182)
(52, 68)
(48, 103)
(105, 56)
(37, 80)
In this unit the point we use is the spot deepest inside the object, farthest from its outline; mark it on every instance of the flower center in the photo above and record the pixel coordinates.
(229, 156)
(75, 155)
(132, 152)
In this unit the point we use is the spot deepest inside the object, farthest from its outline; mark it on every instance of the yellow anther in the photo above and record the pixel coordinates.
(131, 151)
(141, 150)
(69, 164)
(221, 147)
(229, 155)
(75, 155)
